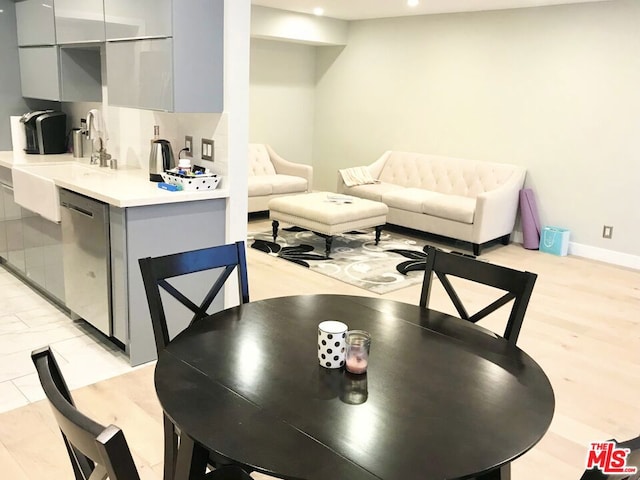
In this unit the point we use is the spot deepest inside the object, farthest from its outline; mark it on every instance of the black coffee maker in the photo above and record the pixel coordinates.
(46, 132)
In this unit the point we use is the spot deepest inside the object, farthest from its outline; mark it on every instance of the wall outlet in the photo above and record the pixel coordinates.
(207, 149)
(607, 231)
(188, 146)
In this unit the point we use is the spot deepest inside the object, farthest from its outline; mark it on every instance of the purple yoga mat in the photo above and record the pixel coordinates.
(530, 219)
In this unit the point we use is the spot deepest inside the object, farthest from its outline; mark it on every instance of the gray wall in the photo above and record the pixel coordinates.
(555, 89)
(11, 101)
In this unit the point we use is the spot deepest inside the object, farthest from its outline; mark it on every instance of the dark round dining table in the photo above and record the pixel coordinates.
(441, 399)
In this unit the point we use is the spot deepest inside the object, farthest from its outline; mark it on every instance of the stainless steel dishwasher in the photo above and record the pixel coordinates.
(86, 259)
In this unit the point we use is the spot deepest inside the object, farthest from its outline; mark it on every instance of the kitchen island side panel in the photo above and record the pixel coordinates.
(161, 230)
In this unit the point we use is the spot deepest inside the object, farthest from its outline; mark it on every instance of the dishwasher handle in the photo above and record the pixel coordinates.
(77, 209)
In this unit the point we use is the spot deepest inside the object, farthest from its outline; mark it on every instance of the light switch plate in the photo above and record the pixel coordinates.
(188, 145)
(207, 149)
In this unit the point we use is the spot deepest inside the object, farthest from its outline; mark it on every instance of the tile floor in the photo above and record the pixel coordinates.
(29, 321)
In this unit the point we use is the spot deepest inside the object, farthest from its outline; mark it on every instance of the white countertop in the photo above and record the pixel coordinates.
(124, 187)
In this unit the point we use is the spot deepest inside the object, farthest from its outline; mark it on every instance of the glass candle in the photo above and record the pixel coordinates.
(358, 344)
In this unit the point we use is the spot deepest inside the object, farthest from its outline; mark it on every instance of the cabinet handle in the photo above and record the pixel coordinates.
(77, 209)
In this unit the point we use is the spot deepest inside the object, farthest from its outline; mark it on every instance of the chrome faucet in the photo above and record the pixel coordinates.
(98, 135)
(99, 155)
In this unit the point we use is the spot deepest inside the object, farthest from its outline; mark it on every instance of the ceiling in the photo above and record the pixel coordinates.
(363, 9)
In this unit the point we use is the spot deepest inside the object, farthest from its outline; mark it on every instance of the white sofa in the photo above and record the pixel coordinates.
(468, 200)
(272, 176)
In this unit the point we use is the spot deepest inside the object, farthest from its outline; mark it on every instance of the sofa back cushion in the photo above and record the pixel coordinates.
(453, 176)
(259, 161)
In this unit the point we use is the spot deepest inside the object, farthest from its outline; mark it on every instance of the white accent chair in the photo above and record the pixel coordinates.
(467, 200)
(272, 176)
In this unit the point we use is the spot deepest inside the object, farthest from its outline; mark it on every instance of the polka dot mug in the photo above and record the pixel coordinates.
(331, 343)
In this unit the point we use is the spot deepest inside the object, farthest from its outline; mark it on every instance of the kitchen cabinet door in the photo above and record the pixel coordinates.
(3, 228)
(39, 73)
(33, 247)
(79, 22)
(125, 19)
(140, 74)
(35, 22)
(13, 224)
(52, 258)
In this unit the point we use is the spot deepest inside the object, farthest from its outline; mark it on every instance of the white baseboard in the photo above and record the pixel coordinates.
(604, 255)
(596, 253)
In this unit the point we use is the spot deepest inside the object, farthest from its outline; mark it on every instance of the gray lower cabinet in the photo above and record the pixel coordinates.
(43, 253)
(149, 231)
(13, 229)
(3, 228)
(31, 245)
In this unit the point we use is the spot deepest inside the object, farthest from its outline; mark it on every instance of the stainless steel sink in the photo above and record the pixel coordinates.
(34, 186)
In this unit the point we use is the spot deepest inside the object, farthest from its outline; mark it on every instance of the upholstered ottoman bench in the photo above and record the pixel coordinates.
(327, 214)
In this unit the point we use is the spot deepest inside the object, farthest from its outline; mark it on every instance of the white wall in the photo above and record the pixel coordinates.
(556, 89)
(272, 23)
(282, 97)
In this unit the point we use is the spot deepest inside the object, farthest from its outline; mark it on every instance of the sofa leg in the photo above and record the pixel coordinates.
(476, 249)
(506, 239)
(274, 229)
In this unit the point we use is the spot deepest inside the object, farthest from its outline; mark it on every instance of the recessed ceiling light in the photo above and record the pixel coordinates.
(318, 11)
(413, 3)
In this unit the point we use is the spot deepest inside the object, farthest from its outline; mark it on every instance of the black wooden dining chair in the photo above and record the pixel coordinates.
(95, 451)
(155, 273)
(632, 460)
(518, 286)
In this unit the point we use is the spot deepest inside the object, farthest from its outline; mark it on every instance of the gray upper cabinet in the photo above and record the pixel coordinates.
(35, 22)
(126, 19)
(39, 72)
(183, 73)
(139, 74)
(79, 22)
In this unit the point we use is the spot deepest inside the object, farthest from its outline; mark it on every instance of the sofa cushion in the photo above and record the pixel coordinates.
(452, 207)
(410, 199)
(373, 191)
(259, 160)
(259, 185)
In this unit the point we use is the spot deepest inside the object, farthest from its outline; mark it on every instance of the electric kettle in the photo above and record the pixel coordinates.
(160, 159)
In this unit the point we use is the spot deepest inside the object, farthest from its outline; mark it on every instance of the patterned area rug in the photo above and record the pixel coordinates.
(396, 262)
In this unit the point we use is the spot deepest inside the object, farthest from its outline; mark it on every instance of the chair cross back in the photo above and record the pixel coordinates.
(518, 286)
(95, 452)
(156, 270)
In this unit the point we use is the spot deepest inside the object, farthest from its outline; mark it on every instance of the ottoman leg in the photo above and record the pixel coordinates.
(378, 232)
(327, 245)
(274, 229)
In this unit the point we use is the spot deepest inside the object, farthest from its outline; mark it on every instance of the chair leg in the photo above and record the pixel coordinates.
(502, 473)
(192, 460)
(170, 448)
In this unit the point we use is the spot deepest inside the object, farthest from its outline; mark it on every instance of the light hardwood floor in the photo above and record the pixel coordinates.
(582, 326)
